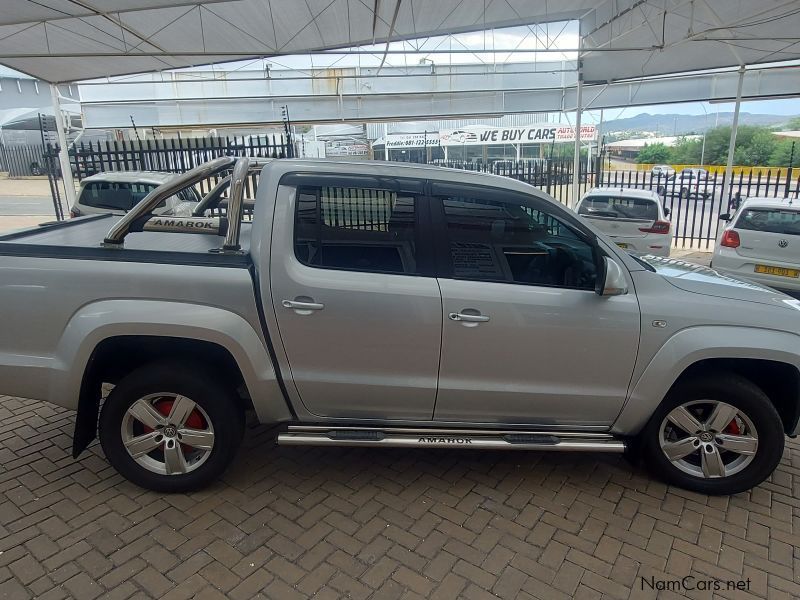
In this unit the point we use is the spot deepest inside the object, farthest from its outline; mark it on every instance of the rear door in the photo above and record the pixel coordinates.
(353, 288)
(769, 234)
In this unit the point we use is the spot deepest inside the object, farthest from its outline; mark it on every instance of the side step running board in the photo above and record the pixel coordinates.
(394, 437)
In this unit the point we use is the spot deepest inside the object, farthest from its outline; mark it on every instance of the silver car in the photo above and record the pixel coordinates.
(635, 219)
(761, 243)
(117, 192)
(385, 305)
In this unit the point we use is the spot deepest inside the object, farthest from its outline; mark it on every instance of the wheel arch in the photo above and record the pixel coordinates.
(769, 360)
(106, 338)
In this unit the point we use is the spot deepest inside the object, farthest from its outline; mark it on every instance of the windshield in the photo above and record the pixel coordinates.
(114, 195)
(614, 207)
(769, 220)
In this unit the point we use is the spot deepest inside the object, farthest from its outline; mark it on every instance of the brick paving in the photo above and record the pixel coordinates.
(356, 523)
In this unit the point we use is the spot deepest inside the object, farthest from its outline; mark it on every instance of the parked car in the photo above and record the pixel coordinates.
(691, 183)
(117, 192)
(380, 305)
(662, 171)
(761, 243)
(635, 219)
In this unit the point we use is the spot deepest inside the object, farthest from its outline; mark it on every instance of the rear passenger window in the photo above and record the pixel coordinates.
(356, 229)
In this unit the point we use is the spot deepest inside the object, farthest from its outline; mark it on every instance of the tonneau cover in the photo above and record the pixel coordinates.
(81, 238)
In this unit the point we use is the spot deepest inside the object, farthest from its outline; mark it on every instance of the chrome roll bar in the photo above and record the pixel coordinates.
(236, 205)
(116, 235)
(211, 199)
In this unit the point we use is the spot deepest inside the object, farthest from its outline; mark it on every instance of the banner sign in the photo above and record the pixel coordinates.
(412, 140)
(532, 134)
(347, 150)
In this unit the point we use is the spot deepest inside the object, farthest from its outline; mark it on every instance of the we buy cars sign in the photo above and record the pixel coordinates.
(515, 135)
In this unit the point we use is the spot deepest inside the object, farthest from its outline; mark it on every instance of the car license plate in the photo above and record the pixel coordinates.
(781, 271)
(622, 244)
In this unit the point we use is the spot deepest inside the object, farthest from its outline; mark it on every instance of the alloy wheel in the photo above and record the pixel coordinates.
(167, 433)
(708, 438)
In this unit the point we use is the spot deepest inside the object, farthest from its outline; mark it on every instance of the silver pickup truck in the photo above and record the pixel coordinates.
(375, 304)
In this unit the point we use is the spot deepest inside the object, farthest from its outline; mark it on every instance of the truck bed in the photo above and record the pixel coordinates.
(80, 238)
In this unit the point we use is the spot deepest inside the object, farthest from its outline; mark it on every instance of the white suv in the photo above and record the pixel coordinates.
(117, 192)
(635, 219)
(762, 243)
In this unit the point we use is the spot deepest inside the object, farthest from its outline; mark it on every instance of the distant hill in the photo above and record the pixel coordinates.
(676, 124)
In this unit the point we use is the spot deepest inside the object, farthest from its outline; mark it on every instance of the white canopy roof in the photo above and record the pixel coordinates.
(69, 40)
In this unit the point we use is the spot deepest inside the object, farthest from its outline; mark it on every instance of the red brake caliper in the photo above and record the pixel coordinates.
(732, 428)
(195, 420)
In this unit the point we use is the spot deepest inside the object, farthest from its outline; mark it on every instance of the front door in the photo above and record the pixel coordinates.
(525, 338)
(358, 308)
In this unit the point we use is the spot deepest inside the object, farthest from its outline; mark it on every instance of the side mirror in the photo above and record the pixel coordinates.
(667, 212)
(725, 217)
(614, 282)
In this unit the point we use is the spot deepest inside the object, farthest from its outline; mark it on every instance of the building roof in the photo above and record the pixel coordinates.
(67, 40)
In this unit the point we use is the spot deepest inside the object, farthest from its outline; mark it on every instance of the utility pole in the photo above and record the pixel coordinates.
(63, 155)
(732, 145)
(576, 162)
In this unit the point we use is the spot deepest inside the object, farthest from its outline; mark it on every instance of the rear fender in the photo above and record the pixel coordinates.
(112, 318)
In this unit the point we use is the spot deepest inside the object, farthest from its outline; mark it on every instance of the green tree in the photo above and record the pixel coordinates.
(793, 124)
(756, 148)
(686, 152)
(783, 151)
(653, 153)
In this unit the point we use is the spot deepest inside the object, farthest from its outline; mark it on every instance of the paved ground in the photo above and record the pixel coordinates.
(24, 202)
(26, 205)
(339, 523)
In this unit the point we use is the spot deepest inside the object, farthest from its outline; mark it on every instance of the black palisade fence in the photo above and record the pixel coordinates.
(695, 203)
(175, 155)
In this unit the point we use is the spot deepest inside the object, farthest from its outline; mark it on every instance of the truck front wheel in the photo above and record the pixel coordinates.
(716, 434)
(171, 427)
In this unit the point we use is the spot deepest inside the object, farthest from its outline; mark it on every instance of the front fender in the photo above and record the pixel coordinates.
(106, 319)
(689, 346)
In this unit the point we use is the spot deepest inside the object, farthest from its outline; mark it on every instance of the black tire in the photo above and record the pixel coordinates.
(738, 392)
(195, 381)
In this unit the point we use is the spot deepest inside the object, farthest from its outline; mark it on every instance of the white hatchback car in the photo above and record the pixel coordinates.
(117, 192)
(762, 243)
(662, 171)
(635, 219)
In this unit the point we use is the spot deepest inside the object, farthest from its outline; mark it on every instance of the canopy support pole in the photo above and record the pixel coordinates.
(732, 145)
(63, 155)
(576, 161)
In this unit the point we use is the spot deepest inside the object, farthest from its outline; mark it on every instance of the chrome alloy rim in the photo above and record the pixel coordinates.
(167, 433)
(708, 439)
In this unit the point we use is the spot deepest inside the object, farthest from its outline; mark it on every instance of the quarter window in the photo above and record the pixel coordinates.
(356, 229)
(515, 243)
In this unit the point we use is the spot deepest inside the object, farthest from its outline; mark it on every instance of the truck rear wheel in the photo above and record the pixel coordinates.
(716, 434)
(171, 427)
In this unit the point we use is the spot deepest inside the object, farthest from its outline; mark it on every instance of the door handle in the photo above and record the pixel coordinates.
(298, 305)
(468, 318)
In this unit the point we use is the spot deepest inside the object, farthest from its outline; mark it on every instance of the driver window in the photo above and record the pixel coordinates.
(515, 243)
